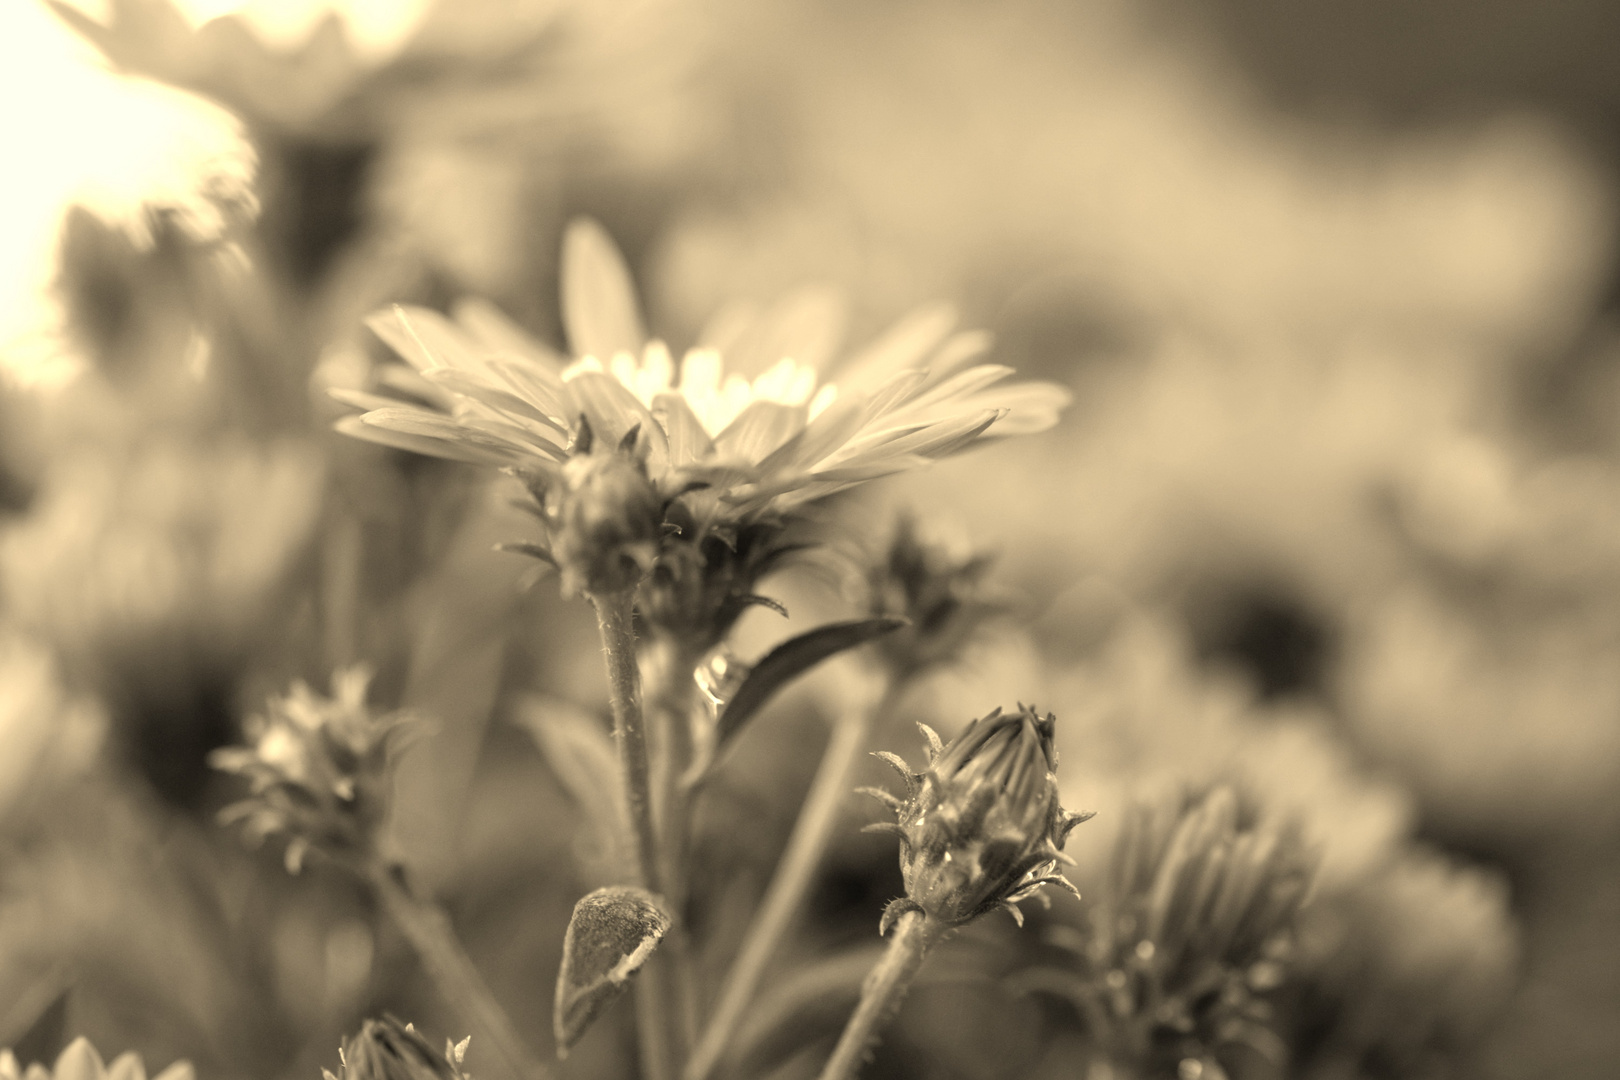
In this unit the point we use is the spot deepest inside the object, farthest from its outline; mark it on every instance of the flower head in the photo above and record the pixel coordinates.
(79, 1061)
(490, 394)
(387, 1049)
(1192, 935)
(317, 769)
(982, 827)
(729, 453)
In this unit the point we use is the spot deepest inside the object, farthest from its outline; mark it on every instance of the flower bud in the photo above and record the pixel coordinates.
(608, 517)
(982, 828)
(389, 1050)
(317, 768)
(936, 583)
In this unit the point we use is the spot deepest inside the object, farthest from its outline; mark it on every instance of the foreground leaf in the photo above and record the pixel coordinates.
(611, 935)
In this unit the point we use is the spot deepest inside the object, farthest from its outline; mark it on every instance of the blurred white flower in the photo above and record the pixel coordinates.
(168, 538)
(46, 733)
(1142, 719)
(80, 1061)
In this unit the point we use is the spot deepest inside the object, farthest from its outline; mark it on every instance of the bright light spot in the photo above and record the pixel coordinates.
(75, 132)
(376, 28)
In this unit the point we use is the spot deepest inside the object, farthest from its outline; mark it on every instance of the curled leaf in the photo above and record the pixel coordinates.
(611, 935)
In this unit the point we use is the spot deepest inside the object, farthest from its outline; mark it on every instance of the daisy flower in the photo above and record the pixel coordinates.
(761, 436)
(679, 478)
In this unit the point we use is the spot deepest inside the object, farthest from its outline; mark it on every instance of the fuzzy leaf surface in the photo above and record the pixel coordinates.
(613, 932)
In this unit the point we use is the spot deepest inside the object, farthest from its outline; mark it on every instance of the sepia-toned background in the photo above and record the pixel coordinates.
(1335, 510)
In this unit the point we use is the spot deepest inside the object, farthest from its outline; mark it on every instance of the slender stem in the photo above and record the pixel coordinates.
(671, 696)
(794, 873)
(427, 928)
(615, 619)
(882, 992)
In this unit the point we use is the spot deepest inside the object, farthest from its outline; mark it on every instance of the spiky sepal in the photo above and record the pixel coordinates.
(893, 911)
(982, 827)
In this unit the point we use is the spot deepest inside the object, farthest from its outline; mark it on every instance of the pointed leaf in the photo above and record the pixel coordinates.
(612, 933)
(599, 299)
(791, 659)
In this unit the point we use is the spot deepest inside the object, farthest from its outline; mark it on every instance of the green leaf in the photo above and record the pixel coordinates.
(611, 935)
(791, 659)
(599, 298)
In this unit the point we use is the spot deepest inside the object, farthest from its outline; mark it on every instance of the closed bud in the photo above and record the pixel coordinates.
(387, 1049)
(607, 519)
(936, 583)
(982, 827)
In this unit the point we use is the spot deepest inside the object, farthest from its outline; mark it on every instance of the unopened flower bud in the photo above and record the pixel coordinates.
(387, 1049)
(318, 769)
(934, 582)
(608, 517)
(982, 827)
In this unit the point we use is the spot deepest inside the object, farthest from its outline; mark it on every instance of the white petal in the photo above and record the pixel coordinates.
(906, 345)
(423, 337)
(599, 300)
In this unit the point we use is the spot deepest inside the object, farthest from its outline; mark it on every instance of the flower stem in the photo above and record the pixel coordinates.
(671, 697)
(882, 992)
(794, 873)
(425, 925)
(615, 620)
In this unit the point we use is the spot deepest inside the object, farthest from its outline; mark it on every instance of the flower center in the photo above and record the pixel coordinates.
(715, 398)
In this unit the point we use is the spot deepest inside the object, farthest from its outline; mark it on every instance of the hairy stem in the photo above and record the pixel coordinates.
(672, 695)
(425, 925)
(794, 874)
(614, 618)
(882, 992)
